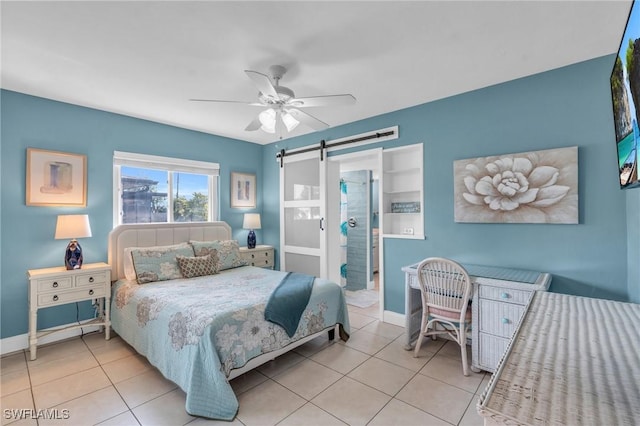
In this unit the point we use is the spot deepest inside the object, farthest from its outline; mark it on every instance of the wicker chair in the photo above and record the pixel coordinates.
(445, 287)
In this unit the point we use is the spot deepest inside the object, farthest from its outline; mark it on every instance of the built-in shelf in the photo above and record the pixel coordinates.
(403, 183)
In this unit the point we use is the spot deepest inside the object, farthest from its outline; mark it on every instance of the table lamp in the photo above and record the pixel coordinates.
(73, 226)
(251, 222)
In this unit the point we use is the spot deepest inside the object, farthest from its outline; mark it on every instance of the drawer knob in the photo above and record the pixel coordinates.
(504, 295)
(90, 279)
(253, 255)
(90, 292)
(55, 284)
(55, 297)
(266, 262)
(505, 320)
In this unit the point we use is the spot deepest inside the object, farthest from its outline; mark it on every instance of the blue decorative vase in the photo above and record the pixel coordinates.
(251, 239)
(73, 255)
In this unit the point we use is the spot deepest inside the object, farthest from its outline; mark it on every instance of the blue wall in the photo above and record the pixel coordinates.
(27, 232)
(566, 107)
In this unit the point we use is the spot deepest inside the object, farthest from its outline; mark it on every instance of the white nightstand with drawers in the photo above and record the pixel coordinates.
(59, 286)
(261, 255)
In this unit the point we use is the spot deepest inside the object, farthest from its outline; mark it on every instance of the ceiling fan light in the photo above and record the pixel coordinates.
(268, 120)
(289, 121)
(268, 129)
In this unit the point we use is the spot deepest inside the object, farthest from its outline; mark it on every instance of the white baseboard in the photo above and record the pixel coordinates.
(21, 342)
(393, 318)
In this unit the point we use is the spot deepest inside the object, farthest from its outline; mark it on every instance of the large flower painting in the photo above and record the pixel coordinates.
(530, 187)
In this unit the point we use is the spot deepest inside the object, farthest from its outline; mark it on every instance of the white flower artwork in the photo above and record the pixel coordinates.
(529, 187)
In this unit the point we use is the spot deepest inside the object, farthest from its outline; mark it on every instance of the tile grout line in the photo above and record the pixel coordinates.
(113, 385)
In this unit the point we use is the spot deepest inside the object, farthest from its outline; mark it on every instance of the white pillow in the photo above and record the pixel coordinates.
(129, 270)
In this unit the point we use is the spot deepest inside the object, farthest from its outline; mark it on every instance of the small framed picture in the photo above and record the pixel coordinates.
(243, 190)
(56, 178)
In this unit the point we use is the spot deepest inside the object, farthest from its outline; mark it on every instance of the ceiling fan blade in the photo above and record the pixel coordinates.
(318, 101)
(254, 125)
(263, 83)
(228, 102)
(307, 119)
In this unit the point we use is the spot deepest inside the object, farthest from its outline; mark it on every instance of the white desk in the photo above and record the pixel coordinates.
(500, 298)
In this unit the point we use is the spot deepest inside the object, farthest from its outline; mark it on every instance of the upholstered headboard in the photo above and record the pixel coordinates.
(159, 234)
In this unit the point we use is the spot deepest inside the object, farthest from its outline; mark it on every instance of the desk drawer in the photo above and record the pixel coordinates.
(502, 294)
(62, 297)
(498, 318)
(413, 281)
(491, 349)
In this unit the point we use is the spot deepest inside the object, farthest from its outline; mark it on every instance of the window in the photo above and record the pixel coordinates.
(150, 188)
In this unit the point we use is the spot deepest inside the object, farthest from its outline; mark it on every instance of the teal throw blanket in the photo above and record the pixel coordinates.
(288, 301)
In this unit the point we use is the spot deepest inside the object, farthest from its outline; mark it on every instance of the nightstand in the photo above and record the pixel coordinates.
(59, 286)
(261, 255)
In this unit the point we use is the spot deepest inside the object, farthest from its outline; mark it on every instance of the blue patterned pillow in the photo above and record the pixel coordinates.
(228, 252)
(159, 263)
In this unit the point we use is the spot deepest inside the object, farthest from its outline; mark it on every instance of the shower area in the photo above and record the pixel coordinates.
(357, 218)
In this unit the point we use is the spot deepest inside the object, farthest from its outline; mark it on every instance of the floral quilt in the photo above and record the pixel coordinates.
(195, 331)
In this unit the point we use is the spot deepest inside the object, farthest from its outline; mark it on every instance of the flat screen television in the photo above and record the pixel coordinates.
(625, 94)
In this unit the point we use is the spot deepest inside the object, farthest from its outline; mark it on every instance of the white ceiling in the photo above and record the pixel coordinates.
(147, 59)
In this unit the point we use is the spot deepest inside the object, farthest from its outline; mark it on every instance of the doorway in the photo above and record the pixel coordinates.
(353, 221)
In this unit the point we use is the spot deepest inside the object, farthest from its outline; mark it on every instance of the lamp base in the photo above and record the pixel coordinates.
(251, 239)
(73, 255)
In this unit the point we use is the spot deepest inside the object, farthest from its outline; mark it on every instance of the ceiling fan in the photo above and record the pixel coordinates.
(282, 107)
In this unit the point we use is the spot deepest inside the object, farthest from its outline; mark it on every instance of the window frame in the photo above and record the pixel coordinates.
(171, 165)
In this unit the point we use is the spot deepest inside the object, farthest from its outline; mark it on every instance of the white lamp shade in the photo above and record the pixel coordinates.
(72, 226)
(251, 221)
(268, 120)
(289, 121)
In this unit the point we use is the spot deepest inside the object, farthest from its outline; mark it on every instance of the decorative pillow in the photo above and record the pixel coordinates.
(159, 263)
(228, 252)
(199, 265)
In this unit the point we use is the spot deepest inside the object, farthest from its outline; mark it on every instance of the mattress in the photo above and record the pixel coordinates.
(573, 361)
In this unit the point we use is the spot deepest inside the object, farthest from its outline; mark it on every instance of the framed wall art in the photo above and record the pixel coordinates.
(528, 187)
(243, 190)
(56, 178)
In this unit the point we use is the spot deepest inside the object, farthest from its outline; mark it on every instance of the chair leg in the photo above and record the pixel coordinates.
(423, 325)
(463, 350)
(418, 345)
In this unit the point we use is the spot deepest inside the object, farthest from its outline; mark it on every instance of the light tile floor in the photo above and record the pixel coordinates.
(370, 380)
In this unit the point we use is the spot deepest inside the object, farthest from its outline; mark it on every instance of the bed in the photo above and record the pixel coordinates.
(203, 331)
(573, 361)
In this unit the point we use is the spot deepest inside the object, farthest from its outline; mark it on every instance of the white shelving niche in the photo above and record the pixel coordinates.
(402, 193)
